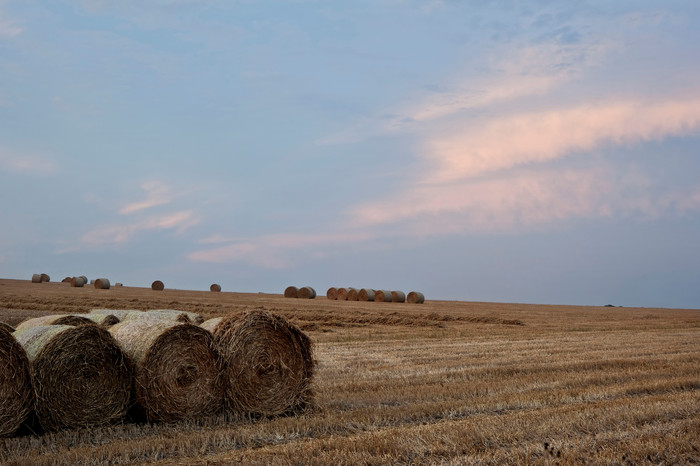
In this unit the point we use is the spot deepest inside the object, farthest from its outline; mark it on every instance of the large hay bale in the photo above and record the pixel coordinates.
(306, 292)
(415, 297)
(102, 284)
(176, 315)
(398, 297)
(332, 293)
(365, 294)
(215, 287)
(61, 319)
(7, 327)
(291, 292)
(352, 294)
(341, 294)
(157, 285)
(178, 371)
(36, 278)
(80, 375)
(78, 282)
(118, 313)
(382, 296)
(269, 363)
(16, 393)
(106, 320)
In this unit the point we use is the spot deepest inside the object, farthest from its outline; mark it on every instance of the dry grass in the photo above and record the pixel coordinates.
(444, 382)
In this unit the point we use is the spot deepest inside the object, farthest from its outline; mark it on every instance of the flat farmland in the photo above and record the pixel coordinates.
(441, 382)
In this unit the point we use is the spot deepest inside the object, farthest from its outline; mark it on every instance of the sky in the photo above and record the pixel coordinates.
(511, 151)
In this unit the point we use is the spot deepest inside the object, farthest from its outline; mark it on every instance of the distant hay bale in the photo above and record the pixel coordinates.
(78, 282)
(306, 292)
(398, 296)
(352, 294)
(178, 371)
(268, 363)
(80, 375)
(215, 287)
(36, 278)
(102, 284)
(415, 297)
(118, 285)
(157, 285)
(60, 319)
(382, 296)
(66, 280)
(291, 292)
(16, 393)
(7, 327)
(45, 278)
(85, 279)
(365, 294)
(332, 293)
(341, 294)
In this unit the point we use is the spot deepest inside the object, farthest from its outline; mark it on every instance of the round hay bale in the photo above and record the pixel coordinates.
(398, 297)
(102, 284)
(382, 296)
(85, 279)
(353, 294)
(365, 294)
(7, 327)
(80, 375)
(415, 297)
(36, 278)
(268, 363)
(306, 292)
(215, 287)
(157, 286)
(331, 293)
(341, 294)
(66, 280)
(45, 278)
(106, 320)
(16, 393)
(291, 292)
(78, 282)
(178, 371)
(61, 319)
(118, 313)
(176, 315)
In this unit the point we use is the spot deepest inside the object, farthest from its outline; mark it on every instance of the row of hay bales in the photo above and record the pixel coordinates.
(103, 283)
(370, 294)
(62, 372)
(304, 292)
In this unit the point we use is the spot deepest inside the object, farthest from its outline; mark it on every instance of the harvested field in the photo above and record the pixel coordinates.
(443, 382)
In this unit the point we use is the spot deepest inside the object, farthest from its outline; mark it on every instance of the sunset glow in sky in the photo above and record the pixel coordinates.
(516, 151)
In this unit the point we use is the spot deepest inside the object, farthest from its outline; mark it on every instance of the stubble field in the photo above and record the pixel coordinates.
(442, 382)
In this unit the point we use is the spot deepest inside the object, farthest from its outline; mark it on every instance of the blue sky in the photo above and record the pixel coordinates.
(541, 151)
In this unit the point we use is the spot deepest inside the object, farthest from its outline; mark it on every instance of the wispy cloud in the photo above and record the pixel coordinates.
(8, 28)
(30, 164)
(157, 194)
(541, 136)
(121, 233)
(272, 251)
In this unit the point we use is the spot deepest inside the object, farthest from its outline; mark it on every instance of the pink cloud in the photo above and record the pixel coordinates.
(117, 234)
(30, 164)
(514, 140)
(157, 193)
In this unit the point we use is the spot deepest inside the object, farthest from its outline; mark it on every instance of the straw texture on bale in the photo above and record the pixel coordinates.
(415, 297)
(78, 282)
(102, 284)
(157, 285)
(16, 393)
(106, 320)
(118, 313)
(341, 294)
(306, 292)
(80, 375)
(398, 296)
(382, 296)
(291, 292)
(175, 314)
(7, 327)
(178, 371)
(269, 363)
(61, 319)
(365, 294)
(331, 293)
(36, 278)
(215, 287)
(352, 294)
